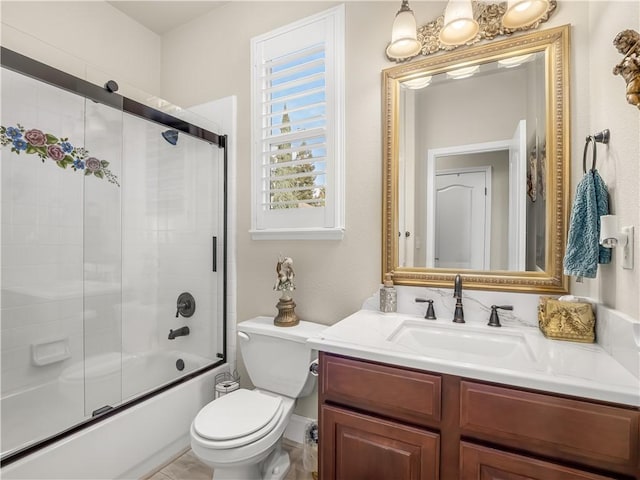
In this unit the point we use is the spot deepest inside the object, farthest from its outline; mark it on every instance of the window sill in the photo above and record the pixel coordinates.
(298, 234)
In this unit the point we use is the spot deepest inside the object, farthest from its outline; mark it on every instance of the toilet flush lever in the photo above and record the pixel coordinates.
(244, 336)
(314, 368)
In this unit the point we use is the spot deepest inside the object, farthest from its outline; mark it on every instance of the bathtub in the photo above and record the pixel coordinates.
(128, 444)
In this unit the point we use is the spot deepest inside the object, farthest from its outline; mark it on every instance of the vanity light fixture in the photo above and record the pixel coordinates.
(459, 26)
(417, 83)
(521, 13)
(404, 38)
(515, 61)
(464, 72)
(464, 22)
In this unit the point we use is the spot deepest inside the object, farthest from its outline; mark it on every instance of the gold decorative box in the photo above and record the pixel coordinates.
(573, 321)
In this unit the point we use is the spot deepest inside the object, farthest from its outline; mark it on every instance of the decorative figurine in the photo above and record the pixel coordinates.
(628, 43)
(286, 315)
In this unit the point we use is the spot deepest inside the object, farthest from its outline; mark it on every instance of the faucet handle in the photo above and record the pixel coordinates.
(431, 313)
(494, 320)
(186, 305)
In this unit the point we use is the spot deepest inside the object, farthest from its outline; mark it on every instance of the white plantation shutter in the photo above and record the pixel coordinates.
(297, 131)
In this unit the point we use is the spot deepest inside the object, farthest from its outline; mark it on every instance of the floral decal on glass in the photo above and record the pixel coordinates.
(50, 147)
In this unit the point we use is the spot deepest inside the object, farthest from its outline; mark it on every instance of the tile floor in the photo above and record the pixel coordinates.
(188, 467)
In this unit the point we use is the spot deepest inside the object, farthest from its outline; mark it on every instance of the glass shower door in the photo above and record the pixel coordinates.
(45, 157)
(102, 366)
(106, 218)
(172, 228)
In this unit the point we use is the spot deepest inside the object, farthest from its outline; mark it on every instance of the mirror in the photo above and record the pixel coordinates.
(476, 166)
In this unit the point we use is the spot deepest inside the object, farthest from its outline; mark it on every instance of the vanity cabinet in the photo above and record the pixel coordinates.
(385, 422)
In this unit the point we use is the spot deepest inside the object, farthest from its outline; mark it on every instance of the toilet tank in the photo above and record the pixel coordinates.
(278, 358)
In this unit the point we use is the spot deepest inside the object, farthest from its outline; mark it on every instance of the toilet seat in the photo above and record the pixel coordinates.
(238, 418)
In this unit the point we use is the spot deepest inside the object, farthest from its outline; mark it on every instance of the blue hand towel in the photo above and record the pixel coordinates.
(584, 251)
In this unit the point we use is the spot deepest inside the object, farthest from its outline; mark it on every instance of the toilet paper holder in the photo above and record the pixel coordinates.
(226, 382)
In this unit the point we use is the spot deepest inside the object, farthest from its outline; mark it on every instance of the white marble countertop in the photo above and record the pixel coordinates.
(577, 369)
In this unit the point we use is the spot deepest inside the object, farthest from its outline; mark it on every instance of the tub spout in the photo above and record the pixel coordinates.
(178, 332)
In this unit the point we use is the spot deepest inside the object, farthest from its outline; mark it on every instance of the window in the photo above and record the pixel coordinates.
(297, 130)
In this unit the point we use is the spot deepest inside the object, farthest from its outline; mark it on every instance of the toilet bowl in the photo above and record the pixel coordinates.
(239, 434)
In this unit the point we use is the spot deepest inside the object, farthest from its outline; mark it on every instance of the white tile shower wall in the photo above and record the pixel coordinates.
(41, 235)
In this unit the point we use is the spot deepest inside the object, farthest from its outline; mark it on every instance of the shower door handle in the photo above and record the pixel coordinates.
(214, 249)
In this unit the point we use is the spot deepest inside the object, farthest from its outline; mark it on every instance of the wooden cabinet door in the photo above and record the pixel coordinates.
(482, 463)
(354, 446)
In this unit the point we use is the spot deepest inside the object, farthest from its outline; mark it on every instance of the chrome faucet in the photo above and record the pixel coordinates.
(458, 314)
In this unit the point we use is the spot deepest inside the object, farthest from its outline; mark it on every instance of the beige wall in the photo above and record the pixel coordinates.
(332, 277)
(619, 163)
(91, 40)
(209, 59)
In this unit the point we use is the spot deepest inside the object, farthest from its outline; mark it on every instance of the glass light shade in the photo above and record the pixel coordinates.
(459, 25)
(417, 83)
(404, 39)
(463, 72)
(521, 13)
(515, 61)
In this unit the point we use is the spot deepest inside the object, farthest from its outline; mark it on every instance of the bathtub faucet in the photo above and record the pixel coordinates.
(178, 332)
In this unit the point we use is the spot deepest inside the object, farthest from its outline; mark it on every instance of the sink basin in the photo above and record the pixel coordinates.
(463, 342)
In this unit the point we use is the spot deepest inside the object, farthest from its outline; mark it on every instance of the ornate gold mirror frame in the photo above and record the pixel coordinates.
(555, 45)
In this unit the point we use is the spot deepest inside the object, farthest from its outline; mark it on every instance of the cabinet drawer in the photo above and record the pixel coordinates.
(597, 435)
(396, 393)
(482, 463)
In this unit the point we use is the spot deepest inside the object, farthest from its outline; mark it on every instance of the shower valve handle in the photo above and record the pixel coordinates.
(186, 305)
(181, 306)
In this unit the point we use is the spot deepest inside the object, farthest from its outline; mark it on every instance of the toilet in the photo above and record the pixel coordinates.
(239, 434)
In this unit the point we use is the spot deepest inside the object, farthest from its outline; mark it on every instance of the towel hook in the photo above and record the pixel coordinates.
(600, 137)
